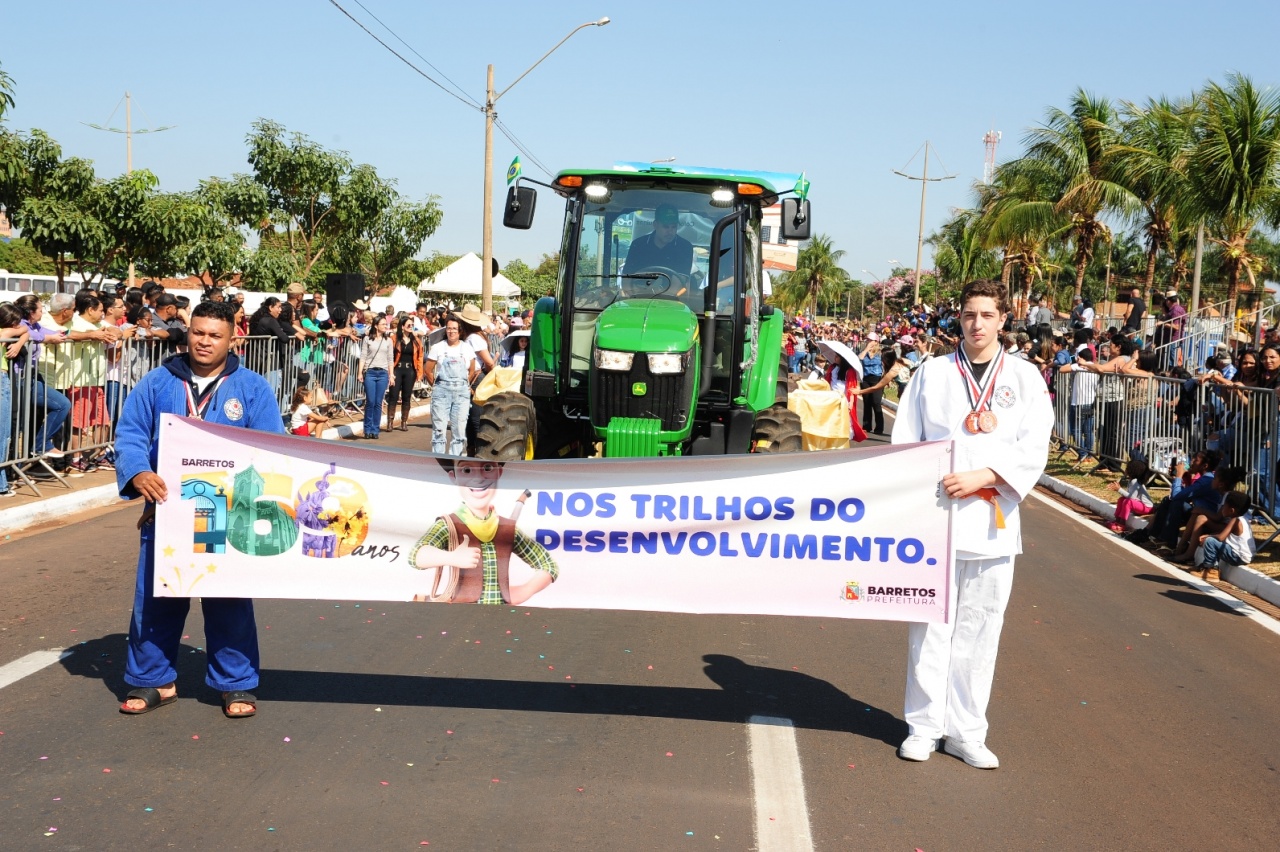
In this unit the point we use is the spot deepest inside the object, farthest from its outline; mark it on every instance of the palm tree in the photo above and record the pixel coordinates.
(817, 275)
(958, 252)
(1150, 160)
(1019, 216)
(1234, 169)
(1073, 146)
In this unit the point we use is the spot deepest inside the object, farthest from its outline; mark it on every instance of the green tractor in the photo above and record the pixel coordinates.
(658, 341)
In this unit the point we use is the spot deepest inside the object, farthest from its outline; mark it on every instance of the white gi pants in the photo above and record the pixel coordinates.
(950, 666)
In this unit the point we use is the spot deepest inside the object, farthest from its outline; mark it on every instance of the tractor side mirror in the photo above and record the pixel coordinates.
(518, 213)
(795, 219)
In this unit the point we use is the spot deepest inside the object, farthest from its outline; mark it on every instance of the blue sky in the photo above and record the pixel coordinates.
(844, 91)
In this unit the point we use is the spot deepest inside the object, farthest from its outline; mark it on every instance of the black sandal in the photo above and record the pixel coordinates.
(150, 696)
(238, 697)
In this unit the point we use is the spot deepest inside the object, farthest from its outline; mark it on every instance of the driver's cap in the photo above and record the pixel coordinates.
(666, 215)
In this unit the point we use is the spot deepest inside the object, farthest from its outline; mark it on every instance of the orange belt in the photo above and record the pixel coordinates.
(990, 495)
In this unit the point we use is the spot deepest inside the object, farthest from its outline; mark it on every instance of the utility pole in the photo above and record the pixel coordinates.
(490, 114)
(924, 186)
(1195, 275)
(128, 132)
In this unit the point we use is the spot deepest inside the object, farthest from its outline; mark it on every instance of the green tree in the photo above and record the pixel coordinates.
(534, 283)
(1070, 149)
(381, 231)
(817, 275)
(958, 252)
(1150, 160)
(18, 255)
(6, 93)
(1233, 170)
(302, 181)
(1019, 217)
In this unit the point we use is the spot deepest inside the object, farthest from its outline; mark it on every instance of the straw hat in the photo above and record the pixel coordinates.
(472, 315)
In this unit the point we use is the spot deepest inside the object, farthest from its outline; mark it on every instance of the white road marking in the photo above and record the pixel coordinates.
(11, 673)
(782, 817)
(1233, 603)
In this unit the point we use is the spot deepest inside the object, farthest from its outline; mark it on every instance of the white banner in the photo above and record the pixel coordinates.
(844, 533)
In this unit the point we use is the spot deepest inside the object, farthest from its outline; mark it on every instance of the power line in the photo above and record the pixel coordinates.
(521, 147)
(426, 61)
(392, 50)
(467, 100)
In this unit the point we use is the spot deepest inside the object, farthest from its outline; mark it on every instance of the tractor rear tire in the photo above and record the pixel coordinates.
(508, 428)
(777, 430)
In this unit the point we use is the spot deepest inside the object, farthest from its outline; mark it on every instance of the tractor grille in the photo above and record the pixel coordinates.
(668, 397)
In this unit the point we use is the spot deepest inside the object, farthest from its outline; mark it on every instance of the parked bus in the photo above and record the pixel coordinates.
(14, 284)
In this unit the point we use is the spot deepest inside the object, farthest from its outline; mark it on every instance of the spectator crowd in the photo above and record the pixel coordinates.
(68, 364)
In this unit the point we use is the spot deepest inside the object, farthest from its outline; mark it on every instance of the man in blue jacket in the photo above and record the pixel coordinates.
(205, 382)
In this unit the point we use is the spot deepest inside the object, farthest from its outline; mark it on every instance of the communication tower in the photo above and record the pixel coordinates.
(992, 141)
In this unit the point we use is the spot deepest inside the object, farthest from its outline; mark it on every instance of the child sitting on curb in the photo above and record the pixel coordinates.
(1136, 500)
(1231, 545)
(303, 421)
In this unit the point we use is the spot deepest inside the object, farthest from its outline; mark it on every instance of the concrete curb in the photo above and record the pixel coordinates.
(20, 518)
(355, 430)
(1241, 576)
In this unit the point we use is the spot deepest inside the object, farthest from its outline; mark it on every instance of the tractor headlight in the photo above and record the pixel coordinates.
(608, 359)
(666, 362)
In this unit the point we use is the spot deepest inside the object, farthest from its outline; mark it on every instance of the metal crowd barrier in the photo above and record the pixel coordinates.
(1108, 416)
(78, 422)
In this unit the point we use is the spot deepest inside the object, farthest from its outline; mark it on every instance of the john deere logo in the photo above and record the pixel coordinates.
(639, 389)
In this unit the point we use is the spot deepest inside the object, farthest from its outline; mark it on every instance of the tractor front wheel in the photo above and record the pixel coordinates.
(777, 430)
(508, 428)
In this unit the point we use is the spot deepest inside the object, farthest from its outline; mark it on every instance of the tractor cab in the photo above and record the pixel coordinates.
(657, 341)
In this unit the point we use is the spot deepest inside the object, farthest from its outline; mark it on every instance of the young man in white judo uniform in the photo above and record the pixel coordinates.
(997, 410)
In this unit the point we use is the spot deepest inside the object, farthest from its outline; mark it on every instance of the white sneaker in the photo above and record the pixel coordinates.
(54, 453)
(917, 747)
(975, 754)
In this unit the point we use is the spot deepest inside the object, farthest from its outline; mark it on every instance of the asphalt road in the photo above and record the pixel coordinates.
(1131, 712)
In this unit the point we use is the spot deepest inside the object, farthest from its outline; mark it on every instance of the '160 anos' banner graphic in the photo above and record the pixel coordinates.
(852, 534)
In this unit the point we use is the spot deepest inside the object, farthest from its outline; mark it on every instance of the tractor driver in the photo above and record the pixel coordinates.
(662, 247)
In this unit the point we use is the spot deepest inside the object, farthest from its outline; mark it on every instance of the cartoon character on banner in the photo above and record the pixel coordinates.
(473, 545)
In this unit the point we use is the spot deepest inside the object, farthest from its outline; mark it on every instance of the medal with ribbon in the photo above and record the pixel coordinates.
(197, 409)
(981, 418)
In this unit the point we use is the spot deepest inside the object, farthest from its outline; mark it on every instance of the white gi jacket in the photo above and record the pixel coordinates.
(933, 409)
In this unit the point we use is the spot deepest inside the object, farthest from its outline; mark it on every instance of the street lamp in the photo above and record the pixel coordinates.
(880, 281)
(490, 101)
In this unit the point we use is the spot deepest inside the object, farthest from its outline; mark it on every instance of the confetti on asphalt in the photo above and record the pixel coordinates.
(149, 810)
(650, 668)
(448, 732)
(106, 770)
(195, 736)
(671, 754)
(496, 781)
(270, 829)
(385, 783)
(45, 757)
(688, 834)
(286, 739)
(377, 710)
(580, 789)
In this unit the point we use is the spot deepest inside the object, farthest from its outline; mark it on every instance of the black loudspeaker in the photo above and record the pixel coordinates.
(343, 287)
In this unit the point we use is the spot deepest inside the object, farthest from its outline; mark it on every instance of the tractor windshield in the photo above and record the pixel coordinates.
(650, 240)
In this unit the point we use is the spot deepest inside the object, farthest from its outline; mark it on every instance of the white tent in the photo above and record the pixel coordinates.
(462, 277)
(401, 298)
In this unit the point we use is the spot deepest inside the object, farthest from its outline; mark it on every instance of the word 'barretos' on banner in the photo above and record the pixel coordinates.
(844, 533)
